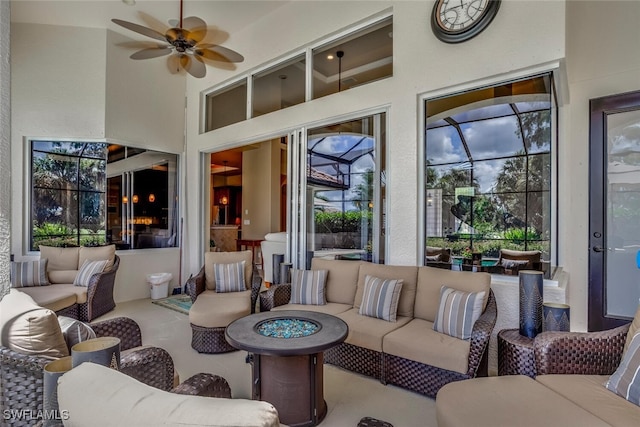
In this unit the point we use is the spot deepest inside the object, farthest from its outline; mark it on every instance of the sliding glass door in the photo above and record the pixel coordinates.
(337, 197)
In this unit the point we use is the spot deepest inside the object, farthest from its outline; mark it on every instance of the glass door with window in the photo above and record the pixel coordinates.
(614, 261)
(338, 192)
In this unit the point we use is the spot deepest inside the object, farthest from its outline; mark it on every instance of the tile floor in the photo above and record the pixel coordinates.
(349, 396)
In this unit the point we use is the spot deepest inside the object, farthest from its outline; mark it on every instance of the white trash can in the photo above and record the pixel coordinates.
(159, 284)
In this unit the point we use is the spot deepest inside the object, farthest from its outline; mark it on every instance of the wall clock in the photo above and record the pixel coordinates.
(455, 21)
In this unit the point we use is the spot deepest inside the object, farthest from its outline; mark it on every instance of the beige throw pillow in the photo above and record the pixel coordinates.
(30, 329)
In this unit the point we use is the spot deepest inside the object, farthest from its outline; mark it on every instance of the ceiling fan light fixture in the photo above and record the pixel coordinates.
(180, 41)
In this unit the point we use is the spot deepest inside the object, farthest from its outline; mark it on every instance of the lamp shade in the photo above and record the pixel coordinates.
(50, 374)
(103, 351)
(556, 317)
(531, 289)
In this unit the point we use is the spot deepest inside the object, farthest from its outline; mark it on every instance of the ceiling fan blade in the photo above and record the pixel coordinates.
(173, 64)
(139, 45)
(153, 23)
(153, 52)
(197, 28)
(140, 29)
(193, 65)
(218, 53)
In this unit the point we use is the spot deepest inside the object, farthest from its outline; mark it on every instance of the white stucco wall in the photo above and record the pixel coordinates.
(524, 34)
(5, 148)
(72, 82)
(596, 40)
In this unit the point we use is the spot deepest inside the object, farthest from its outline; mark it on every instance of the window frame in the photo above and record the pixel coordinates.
(552, 69)
(28, 191)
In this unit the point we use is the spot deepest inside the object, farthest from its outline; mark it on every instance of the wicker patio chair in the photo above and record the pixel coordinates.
(21, 378)
(587, 353)
(212, 311)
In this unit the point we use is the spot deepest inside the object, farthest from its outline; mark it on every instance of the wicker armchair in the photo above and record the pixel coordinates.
(21, 378)
(99, 294)
(211, 311)
(587, 353)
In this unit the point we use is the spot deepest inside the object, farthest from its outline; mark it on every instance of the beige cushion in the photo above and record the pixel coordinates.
(30, 329)
(589, 392)
(634, 328)
(60, 258)
(342, 279)
(418, 341)
(506, 402)
(215, 310)
(211, 258)
(62, 276)
(328, 308)
(408, 274)
(367, 331)
(97, 253)
(431, 279)
(124, 401)
(57, 297)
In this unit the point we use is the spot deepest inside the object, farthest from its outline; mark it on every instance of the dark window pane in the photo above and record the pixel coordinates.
(226, 107)
(279, 87)
(367, 57)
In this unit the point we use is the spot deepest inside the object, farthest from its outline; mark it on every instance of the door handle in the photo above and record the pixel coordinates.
(599, 249)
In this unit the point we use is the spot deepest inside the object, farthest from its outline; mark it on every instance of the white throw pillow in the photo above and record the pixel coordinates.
(307, 287)
(88, 269)
(29, 273)
(380, 298)
(458, 312)
(229, 277)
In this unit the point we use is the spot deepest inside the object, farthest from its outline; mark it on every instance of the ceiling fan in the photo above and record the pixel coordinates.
(184, 43)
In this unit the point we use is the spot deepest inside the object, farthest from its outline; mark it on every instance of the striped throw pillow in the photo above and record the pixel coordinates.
(625, 381)
(88, 269)
(229, 277)
(29, 273)
(458, 312)
(307, 287)
(380, 298)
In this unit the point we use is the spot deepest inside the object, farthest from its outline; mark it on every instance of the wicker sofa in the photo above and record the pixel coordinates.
(407, 352)
(79, 302)
(23, 357)
(569, 389)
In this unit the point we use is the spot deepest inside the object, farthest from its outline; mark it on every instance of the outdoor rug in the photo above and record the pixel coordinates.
(181, 303)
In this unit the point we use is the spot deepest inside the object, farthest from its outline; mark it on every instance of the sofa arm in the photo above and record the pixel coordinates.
(21, 380)
(256, 284)
(480, 335)
(274, 296)
(100, 293)
(195, 285)
(204, 384)
(150, 365)
(587, 353)
(120, 327)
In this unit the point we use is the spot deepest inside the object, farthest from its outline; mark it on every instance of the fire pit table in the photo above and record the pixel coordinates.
(287, 361)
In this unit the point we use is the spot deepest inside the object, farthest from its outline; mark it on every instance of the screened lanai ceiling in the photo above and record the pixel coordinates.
(465, 128)
(331, 158)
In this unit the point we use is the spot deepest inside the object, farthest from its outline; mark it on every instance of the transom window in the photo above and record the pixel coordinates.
(488, 171)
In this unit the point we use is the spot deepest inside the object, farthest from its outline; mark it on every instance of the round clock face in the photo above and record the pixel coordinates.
(454, 21)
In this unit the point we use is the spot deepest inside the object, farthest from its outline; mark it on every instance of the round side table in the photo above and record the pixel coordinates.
(515, 354)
